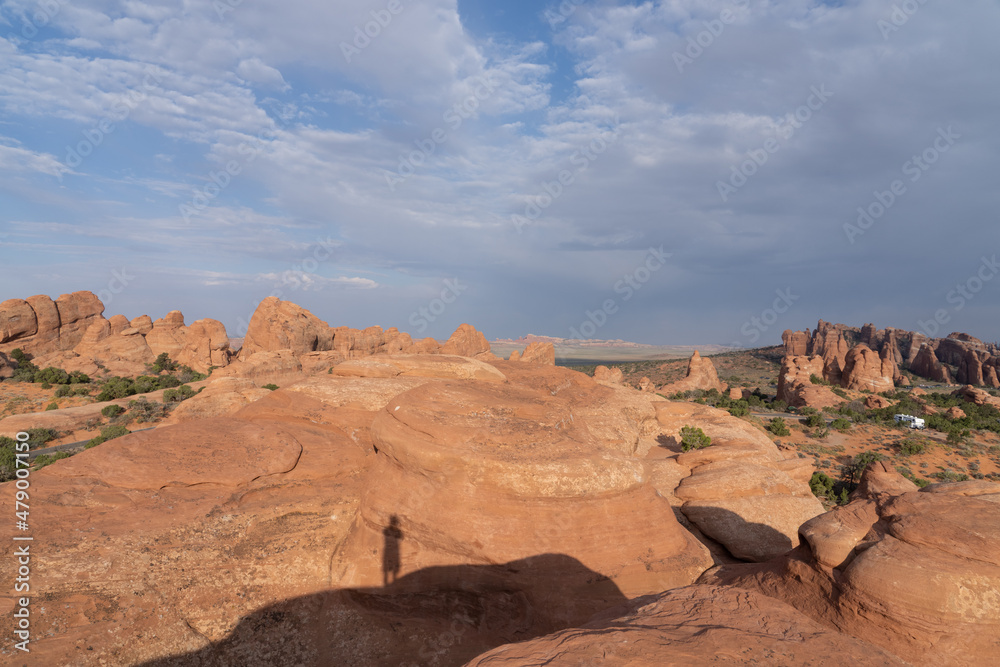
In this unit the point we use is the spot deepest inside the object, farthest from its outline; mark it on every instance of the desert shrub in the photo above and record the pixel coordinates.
(163, 363)
(115, 388)
(37, 437)
(143, 410)
(841, 424)
(63, 391)
(852, 471)
(957, 436)
(779, 406)
(739, 408)
(46, 385)
(949, 476)
(52, 406)
(911, 447)
(840, 392)
(815, 421)
(52, 375)
(821, 484)
(67, 390)
(187, 374)
(78, 377)
(815, 379)
(8, 458)
(777, 426)
(43, 460)
(182, 393)
(693, 437)
(820, 432)
(145, 384)
(112, 411)
(272, 386)
(808, 411)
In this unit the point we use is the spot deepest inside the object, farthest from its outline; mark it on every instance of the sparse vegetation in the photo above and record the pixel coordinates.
(693, 437)
(840, 424)
(182, 393)
(777, 426)
(143, 410)
(112, 411)
(273, 386)
(43, 460)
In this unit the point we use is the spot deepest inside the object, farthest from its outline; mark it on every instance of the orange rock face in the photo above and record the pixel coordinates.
(466, 342)
(797, 389)
(864, 369)
(701, 374)
(40, 326)
(929, 561)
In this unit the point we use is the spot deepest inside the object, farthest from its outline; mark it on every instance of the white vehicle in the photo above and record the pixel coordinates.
(914, 422)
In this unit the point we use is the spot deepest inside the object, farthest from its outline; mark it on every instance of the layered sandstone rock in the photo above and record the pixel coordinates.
(740, 491)
(926, 364)
(612, 376)
(40, 326)
(282, 325)
(701, 374)
(694, 625)
(528, 466)
(466, 342)
(538, 352)
(865, 370)
(797, 389)
(921, 582)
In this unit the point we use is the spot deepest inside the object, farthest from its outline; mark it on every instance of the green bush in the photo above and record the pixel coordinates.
(163, 363)
(840, 424)
(777, 426)
(52, 406)
(272, 387)
(52, 375)
(815, 379)
(115, 388)
(37, 437)
(815, 421)
(112, 411)
(840, 392)
(693, 437)
(911, 447)
(182, 393)
(808, 411)
(740, 408)
(821, 484)
(187, 374)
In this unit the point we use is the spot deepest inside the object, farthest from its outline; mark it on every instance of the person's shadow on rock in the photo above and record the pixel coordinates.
(390, 550)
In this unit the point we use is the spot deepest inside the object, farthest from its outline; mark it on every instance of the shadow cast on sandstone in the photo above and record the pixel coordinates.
(437, 616)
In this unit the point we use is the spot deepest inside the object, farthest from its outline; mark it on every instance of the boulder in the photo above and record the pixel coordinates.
(538, 352)
(877, 402)
(880, 479)
(467, 342)
(701, 374)
(833, 537)
(955, 412)
(921, 584)
(610, 376)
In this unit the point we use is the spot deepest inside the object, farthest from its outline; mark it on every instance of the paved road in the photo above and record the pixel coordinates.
(69, 446)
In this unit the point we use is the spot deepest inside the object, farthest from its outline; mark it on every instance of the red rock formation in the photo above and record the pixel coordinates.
(865, 370)
(40, 326)
(612, 376)
(797, 343)
(796, 388)
(926, 364)
(466, 342)
(701, 374)
(921, 583)
(539, 353)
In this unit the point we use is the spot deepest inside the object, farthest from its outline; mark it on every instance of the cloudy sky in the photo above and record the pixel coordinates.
(679, 171)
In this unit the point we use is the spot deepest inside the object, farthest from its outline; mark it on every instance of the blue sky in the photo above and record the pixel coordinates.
(202, 156)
